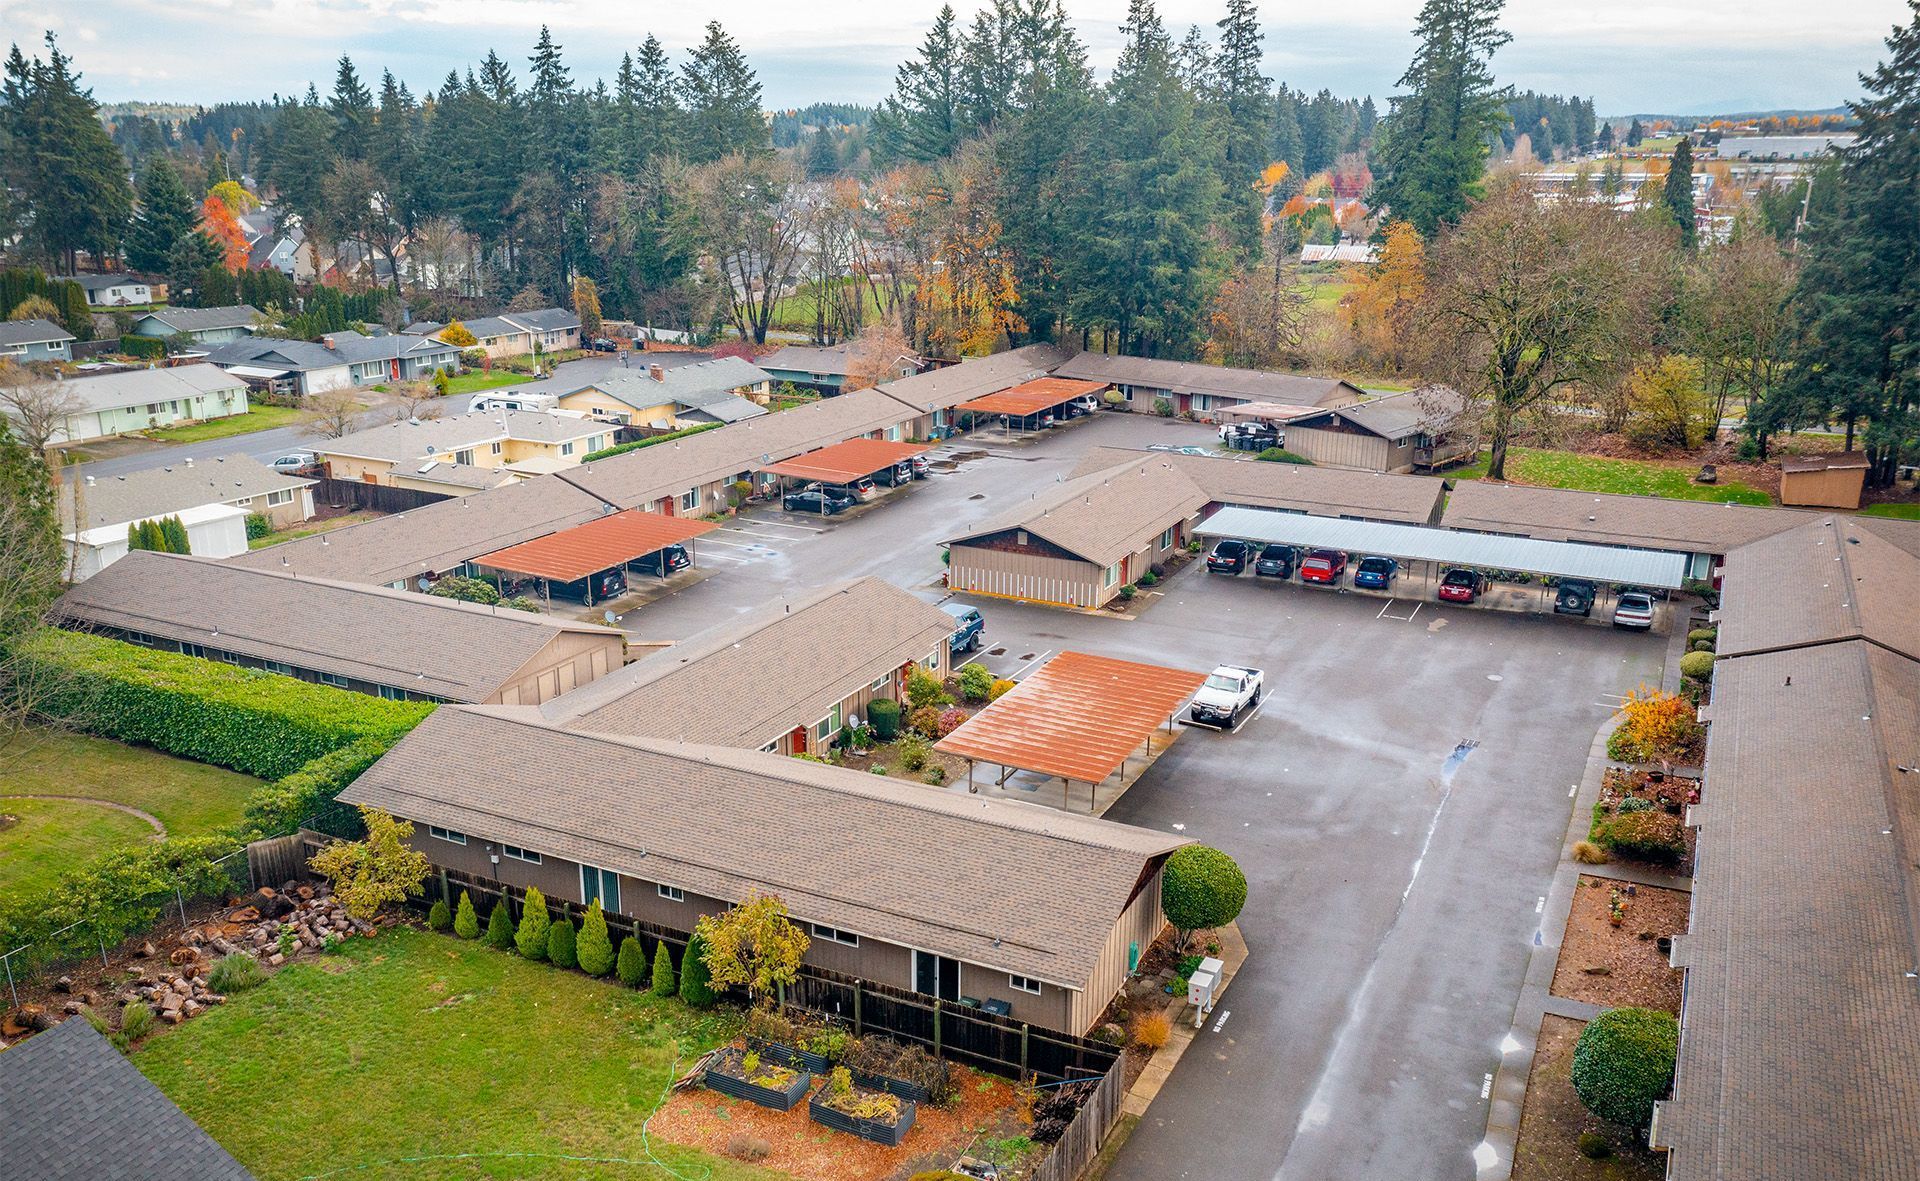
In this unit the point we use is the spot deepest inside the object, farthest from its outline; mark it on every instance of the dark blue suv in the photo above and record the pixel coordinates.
(1375, 573)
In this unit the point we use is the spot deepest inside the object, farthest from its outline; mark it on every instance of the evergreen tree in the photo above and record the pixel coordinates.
(395, 153)
(656, 106)
(531, 936)
(721, 96)
(1434, 151)
(29, 538)
(822, 160)
(300, 156)
(173, 536)
(1244, 97)
(189, 263)
(594, 947)
(1677, 193)
(58, 163)
(663, 984)
(1604, 142)
(920, 120)
(352, 109)
(696, 986)
(631, 966)
(562, 944)
(1635, 133)
(438, 917)
(166, 214)
(465, 923)
(500, 932)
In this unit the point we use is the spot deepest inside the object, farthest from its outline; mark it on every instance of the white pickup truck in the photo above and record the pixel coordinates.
(1228, 690)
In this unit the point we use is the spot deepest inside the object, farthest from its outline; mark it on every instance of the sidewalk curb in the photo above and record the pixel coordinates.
(1233, 954)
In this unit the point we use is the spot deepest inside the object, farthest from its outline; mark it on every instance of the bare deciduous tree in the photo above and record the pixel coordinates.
(333, 413)
(416, 399)
(38, 404)
(743, 212)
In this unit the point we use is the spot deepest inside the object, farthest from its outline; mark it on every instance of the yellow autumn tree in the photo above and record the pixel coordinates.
(1378, 309)
(968, 302)
(457, 335)
(754, 945)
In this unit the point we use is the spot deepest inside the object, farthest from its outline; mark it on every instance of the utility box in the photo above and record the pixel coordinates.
(1201, 986)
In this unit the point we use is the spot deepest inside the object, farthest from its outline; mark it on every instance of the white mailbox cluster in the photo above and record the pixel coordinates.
(1201, 986)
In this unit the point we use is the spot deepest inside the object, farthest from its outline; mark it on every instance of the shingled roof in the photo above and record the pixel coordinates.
(1327, 492)
(1832, 579)
(839, 847)
(1104, 515)
(1190, 377)
(156, 492)
(1649, 522)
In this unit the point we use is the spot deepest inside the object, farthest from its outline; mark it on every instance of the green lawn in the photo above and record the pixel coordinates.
(1592, 473)
(427, 1048)
(1899, 512)
(484, 379)
(1324, 288)
(260, 418)
(795, 313)
(185, 796)
(311, 528)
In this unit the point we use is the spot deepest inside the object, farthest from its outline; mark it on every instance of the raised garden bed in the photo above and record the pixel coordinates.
(913, 1092)
(769, 1085)
(1624, 964)
(878, 1116)
(798, 1059)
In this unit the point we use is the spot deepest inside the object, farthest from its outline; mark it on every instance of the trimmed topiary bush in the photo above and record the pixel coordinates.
(466, 924)
(1623, 1062)
(1697, 666)
(439, 918)
(594, 948)
(631, 965)
(531, 936)
(1201, 887)
(1703, 634)
(975, 682)
(500, 925)
(696, 986)
(664, 983)
(883, 714)
(1651, 836)
(563, 949)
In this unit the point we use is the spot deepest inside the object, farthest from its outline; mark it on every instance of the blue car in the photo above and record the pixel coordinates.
(1375, 573)
(969, 627)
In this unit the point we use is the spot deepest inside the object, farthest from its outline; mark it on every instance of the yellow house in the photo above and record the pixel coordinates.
(415, 453)
(660, 397)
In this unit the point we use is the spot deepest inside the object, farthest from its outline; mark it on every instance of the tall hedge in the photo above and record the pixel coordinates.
(252, 721)
(1201, 887)
(649, 441)
(1623, 1062)
(306, 797)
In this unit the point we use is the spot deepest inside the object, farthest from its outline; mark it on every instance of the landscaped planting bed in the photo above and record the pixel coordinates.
(746, 1074)
(1640, 816)
(1621, 964)
(1553, 1123)
(879, 1116)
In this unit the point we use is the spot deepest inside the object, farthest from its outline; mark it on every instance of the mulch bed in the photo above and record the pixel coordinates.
(1554, 1119)
(1669, 794)
(984, 1107)
(1146, 993)
(1608, 965)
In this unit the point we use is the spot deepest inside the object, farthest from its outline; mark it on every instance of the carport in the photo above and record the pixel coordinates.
(1426, 552)
(608, 543)
(1275, 413)
(1030, 399)
(843, 463)
(1078, 718)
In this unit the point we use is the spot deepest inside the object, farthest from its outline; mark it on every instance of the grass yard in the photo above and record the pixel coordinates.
(1899, 512)
(795, 312)
(425, 1048)
(260, 418)
(310, 529)
(1593, 473)
(1324, 288)
(53, 836)
(483, 379)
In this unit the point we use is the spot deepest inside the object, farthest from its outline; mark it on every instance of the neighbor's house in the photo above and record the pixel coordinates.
(284, 249)
(513, 334)
(140, 399)
(212, 498)
(385, 643)
(826, 368)
(112, 291)
(953, 896)
(35, 340)
(335, 361)
(1202, 390)
(660, 398)
(520, 442)
(207, 326)
(1290, 487)
(1422, 428)
(785, 677)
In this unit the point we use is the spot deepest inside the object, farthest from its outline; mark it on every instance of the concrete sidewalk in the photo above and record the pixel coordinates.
(1233, 953)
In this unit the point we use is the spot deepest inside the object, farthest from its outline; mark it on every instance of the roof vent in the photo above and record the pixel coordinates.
(89, 481)
(189, 461)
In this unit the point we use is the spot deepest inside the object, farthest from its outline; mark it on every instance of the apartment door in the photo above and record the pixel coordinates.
(936, 975)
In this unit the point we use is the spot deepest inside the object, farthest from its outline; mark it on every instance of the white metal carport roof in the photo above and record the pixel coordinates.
(1562, 559)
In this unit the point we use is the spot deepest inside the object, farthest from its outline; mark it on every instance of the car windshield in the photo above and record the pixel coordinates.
(1636, 602)
(1229, 548)
(1319, 563)
(1223, 681)
(1376, 565)
(1458, 578)
(1274, 551)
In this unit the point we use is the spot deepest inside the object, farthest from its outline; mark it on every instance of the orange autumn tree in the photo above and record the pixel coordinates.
(1653, 725)
(1378, 310)
(219, 222)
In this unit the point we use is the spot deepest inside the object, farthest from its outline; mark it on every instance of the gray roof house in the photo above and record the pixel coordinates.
(825, 367)
(515, 333)
(132, 400)
(1202, 389)
(35, 340)
(702, 391)
(336, 360)
(117, 290)
(1421, 428)
(204, 325)
(77, 1110)
(525, 442)
(212, 498)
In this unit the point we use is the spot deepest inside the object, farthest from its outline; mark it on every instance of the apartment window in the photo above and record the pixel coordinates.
(835, 935)
(334, 679)
(827, 727)
(187, 649)
(671, 893)
(603, 884)
(596, 442)
(1166, 539)
(566, 448)
(393, 694)
(1024, 984)
(496, 448)
(933, 660)
(519, 854)
(690, 500)
(1111, 576)
(137, 638)
(446, 834)
(275, 666)
(284, 496)
(465, 457)
(881, 685)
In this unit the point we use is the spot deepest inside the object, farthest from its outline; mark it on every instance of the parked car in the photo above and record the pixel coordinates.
(1249, 436)
(660, 562)
(1226, 691)
(1085, 404)
(814, 500)
(1633, 609)
(1461, 585)
(1575, 597)
(859, 490)
(969, 627)
(1276, 561)
(900, 473)
(1375, 573)
(1229, 557)
(601, 344)
(295, 461)
(922, 467)
(1324, 566)
(595, 588)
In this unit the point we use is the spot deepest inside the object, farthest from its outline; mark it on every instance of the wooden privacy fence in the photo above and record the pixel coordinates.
(276, 860)
(381, 498)
(1082, 1140)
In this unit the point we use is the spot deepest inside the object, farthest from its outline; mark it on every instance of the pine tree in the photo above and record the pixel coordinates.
(695, 983)
(822, 160)
(658, 120)
(174, 536)
(352, 109)
(531, 937)
(59, 164)
(563, 944)
(1244, 96)
(595, 946)
(1677, 193)
(1435, 144)
(721, 96)
(500, 933)
(631, 966)
(1635, 133)
(166, 215)
(465, 923)
(663, 984)
(438, 917)
(920, 120)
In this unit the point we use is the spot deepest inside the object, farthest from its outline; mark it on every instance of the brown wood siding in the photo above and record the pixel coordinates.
(575, 657)
(1058, 581)
(1141, 923)
(1011, 542)
(1335, 448)
(1832, 488)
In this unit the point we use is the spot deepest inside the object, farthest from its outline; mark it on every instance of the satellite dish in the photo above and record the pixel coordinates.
(611, 618)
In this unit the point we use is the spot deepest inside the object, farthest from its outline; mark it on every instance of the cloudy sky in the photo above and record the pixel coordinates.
(1678, 56)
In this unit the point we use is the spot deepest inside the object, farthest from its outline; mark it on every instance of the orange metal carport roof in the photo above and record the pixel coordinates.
(598, 545)
(845, 461)
(1078, 716)
(1031, 397)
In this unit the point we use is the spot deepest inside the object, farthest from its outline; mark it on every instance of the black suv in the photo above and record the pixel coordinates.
(1575, 597)
(1276, 561)
(816, 500)
(662, 561)
(1229, 557)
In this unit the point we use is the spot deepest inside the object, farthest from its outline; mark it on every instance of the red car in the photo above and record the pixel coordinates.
(1461, 586)
(1324, 566)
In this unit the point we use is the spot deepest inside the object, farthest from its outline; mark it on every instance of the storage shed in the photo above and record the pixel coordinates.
(1833, 480)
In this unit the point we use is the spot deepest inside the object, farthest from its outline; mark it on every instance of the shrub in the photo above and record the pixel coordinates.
(1703, 635)
(1000, 689)
(1163, 408)
(1127, 591)
(1634, 804)
(466, 590)
(883, 714)
(1149, 578)
(877, 769)
(748, 1147)
(253, 721)
(630, 966)
(696, 986)
(258, 525)
(949, 721)
(1650, 836)
(466, 924)
(975, 682)
(1201, 887)
(1594, 1146)
(235, 973)
(595, 947)
(925, 721)
(143, 346)
(1697, 666)
(923, 690)
(1278, 455)
(136, 1020)
(935, 775)
(913, 751)
(663, 983)
(439, 918)
(649, 441)
(563, 949)
(1653, 725)
(531, 937)
(500, 933)
(380, 868)
(1588, 853)
(305, 799)
(1152, 1030)
(1623, 1062)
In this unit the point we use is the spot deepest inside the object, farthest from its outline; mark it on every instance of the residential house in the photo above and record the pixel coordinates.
(139, 399)
(370, 639)
(932, 397)
(835, 649)
(35, 340)
(212, 498)
(1420, 429)
(658, 398)
(335, 361)
(513, 334)
(280, 248)
(825, 368)
(112, 291)
(954, 896)
(523, 442)
(1189, 387)
(78, 1110)
(207, 326)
